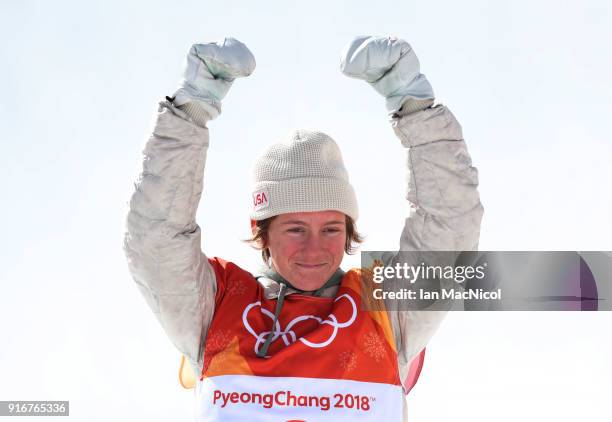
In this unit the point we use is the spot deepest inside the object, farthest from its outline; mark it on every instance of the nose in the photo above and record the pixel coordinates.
(313, 245)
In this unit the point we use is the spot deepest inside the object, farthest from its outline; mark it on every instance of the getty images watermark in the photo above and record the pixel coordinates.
(487, 280)
(413, 273)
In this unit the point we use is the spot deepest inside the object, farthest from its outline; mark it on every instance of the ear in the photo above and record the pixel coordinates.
(253, 226)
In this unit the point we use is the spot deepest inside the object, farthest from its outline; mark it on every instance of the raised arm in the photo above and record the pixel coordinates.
(162, 239)
(444, 205)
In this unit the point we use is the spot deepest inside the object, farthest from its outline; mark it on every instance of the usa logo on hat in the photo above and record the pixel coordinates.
(261, 199)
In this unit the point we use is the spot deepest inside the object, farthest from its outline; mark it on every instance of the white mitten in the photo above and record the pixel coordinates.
(390, 65)
(209, 72)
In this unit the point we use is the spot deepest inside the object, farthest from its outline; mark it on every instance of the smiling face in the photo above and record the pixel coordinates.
(306, 248)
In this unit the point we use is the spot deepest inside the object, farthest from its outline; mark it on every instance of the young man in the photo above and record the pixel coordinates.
(293, 342)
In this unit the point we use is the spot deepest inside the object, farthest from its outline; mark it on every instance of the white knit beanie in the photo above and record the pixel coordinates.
(302, 174)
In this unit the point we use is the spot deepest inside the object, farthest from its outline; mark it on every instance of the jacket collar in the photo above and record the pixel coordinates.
(271, 281)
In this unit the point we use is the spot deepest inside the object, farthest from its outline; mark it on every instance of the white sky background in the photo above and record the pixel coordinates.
(528, 80)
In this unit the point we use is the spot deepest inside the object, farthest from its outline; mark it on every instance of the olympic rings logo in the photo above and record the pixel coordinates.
(288, 335)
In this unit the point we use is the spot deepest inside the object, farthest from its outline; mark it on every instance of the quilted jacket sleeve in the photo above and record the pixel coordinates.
(444, 208)
(162, 239)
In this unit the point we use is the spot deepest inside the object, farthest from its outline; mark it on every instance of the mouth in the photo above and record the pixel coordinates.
(311, 266)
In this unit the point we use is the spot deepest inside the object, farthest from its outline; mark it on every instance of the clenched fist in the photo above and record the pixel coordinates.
(390, 65)
(209, 72)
